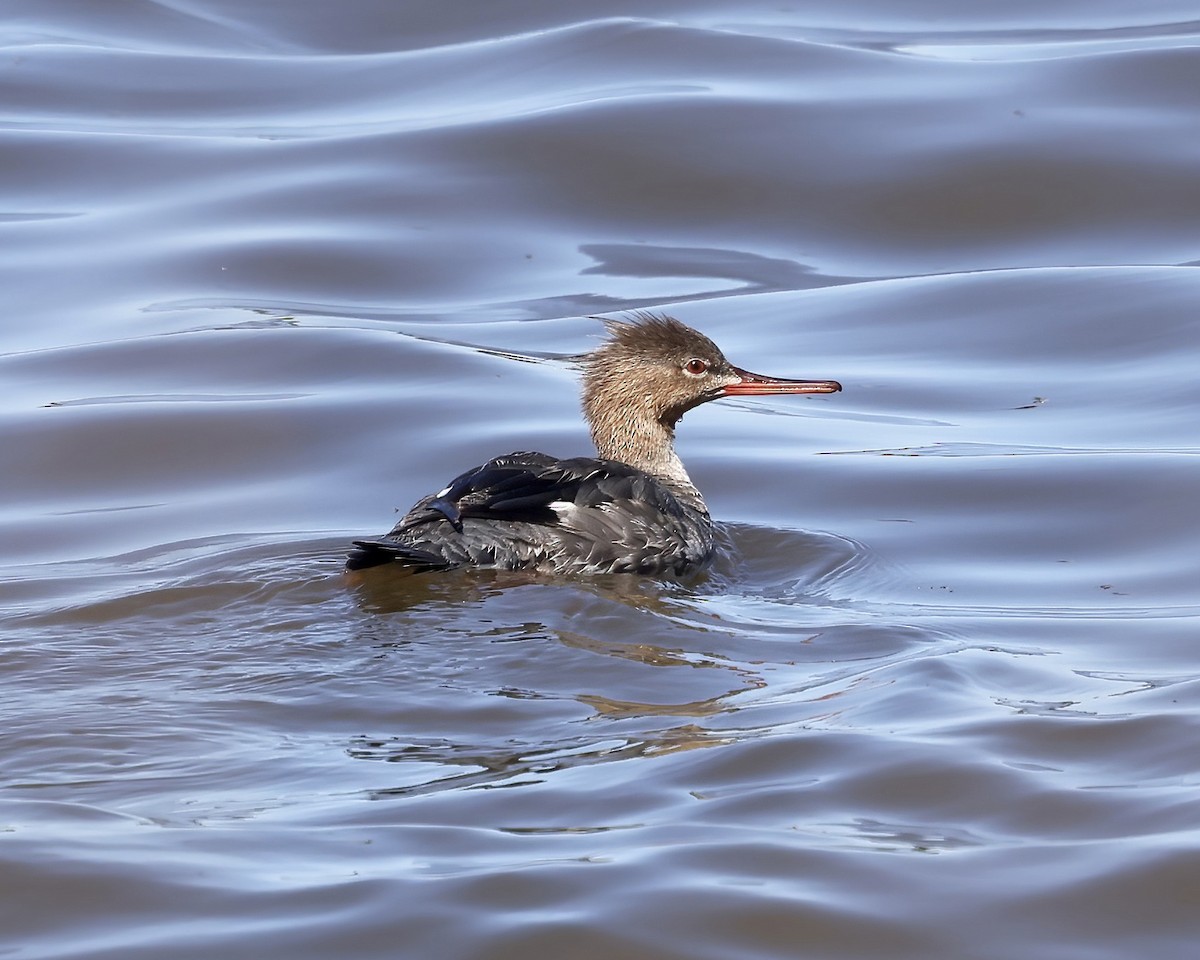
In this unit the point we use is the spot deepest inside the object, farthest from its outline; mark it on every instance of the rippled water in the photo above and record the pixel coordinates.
(273, 271)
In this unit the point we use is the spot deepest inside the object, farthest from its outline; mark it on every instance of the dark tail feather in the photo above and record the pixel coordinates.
(374, 553)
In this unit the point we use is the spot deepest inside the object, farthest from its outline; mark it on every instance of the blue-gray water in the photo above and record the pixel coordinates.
(272, 271)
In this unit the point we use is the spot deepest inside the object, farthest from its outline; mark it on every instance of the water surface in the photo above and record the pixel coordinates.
(272, 274)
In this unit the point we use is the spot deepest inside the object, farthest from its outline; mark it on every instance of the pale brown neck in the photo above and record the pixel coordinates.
(624, 428)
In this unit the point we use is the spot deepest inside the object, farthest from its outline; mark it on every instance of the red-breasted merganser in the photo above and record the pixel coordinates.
(632, 510)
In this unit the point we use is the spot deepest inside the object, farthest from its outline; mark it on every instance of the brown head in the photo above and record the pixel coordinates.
(650, 373)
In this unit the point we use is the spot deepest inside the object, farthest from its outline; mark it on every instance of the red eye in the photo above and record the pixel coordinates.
(696, 367)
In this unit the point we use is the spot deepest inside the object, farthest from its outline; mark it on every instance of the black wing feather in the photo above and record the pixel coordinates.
(520, 486)
(372, 553)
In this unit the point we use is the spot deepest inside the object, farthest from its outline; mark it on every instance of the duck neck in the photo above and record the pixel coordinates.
(632, 436)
